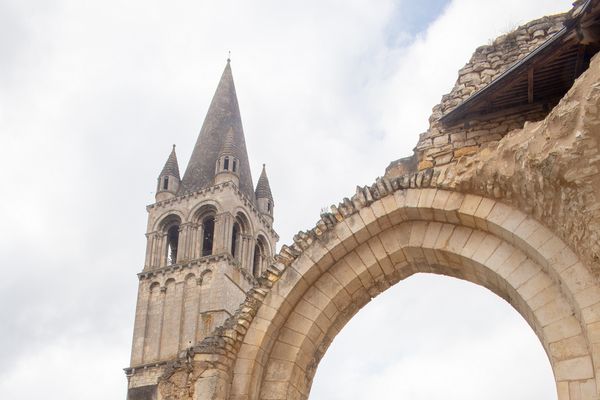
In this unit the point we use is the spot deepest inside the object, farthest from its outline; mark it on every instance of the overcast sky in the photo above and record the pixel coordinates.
(94, 93)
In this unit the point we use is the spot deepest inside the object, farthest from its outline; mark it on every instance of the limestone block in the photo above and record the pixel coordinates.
(487, 247)
(465, 151)
(358, 228)
(468, 208)
(535, 285)
(483, 210)
(380, 253)
(360, 269)
(424, 164)
(568, 348)
(564, 328)
(391, 244)
(411, 203)
(444, 236)
(394, 214)
(562, 389)
(370, 260)
(381, 214)
(370, 220)
(441, 197)
(574, 369)
(346, 275)
(523, 273)
(591, 313)
(553, 311)
(473, 243)
(457, 240)
(588, 296)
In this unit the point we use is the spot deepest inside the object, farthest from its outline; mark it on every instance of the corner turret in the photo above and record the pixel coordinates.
(264, 198)
(168, 180)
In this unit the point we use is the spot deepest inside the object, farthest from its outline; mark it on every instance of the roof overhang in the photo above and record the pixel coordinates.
(540, 79)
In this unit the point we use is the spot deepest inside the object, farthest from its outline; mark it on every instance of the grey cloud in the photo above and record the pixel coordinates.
(95, 93)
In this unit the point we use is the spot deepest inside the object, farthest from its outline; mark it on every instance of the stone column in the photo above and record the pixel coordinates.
(192, 241)
(246, 253)
(154, 244)
(162, 250)
(181, 256)
(222, 236)
(149, 244)
(198, 241)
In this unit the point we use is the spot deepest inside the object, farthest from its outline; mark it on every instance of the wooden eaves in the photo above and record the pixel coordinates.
(540, 79)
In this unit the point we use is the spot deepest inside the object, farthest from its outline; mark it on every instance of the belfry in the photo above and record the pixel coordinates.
(209, 236)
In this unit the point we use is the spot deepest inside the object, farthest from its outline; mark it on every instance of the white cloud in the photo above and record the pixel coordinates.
(433, 337)
(94, 93)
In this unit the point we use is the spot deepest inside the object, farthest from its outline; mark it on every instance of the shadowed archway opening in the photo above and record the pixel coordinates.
(446, 338)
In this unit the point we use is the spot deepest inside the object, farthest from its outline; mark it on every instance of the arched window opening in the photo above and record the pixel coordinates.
(268, 206)
(172, 242)
(226, 164)
(235, 234)
(257, 259)
(208, 230)
(234, 165)
(165, 183)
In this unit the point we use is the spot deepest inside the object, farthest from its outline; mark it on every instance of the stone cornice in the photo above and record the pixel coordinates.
(129, 371)
(169, 269)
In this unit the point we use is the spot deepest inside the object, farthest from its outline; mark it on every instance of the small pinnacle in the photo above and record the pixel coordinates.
(173, 147)
(263, 165)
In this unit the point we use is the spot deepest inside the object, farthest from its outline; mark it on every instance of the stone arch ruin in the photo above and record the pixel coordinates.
(507, 197)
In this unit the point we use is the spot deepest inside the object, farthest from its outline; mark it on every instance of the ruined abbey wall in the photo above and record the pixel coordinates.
(511, 204)
(441, 145)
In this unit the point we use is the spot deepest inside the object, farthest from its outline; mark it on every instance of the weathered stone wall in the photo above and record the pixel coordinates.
(491, 60)
(549, 169)
(441, 145)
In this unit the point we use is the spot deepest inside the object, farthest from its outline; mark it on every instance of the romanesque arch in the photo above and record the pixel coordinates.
(419, 230)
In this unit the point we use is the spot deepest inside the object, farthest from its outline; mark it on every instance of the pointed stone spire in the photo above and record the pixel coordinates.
(168, 180)
(223, 123)
(264, 198)
(171, 166)
(263, 189)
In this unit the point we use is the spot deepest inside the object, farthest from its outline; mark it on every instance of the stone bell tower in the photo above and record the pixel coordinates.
(209, 236)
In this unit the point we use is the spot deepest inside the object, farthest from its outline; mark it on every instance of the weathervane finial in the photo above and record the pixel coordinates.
(229, 56)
